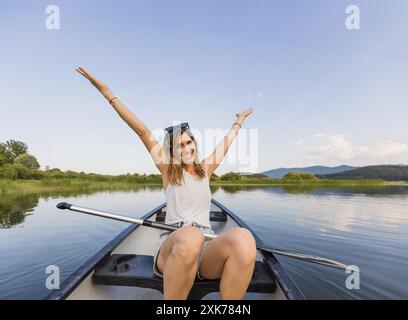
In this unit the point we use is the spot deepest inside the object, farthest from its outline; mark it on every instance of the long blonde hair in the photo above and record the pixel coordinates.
(175, 168)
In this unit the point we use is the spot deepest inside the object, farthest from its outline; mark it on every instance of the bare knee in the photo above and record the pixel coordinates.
(242, 244)
(187, 245)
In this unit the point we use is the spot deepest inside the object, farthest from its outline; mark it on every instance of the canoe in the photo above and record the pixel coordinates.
(123, 268)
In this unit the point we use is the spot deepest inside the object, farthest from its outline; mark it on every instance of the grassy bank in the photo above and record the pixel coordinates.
(59, 185)
(20, 174)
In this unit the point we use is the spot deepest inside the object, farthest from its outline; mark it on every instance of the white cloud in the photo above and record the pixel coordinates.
(339, 146)
(389, 147)
(299, 142)
(338, 149)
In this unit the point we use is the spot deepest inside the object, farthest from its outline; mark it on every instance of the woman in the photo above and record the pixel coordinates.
(184, 254)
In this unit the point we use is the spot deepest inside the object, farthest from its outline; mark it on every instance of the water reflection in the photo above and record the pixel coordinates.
(15, 207)
(311, 189)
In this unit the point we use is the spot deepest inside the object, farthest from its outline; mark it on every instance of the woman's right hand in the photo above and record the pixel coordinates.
(103, 88)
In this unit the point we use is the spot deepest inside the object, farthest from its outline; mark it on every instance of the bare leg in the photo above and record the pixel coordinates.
(178, 261)
(230, 257)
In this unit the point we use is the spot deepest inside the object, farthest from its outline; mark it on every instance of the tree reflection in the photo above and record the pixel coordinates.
(15, 207)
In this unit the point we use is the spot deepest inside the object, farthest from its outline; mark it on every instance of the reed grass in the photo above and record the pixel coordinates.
(80, 184)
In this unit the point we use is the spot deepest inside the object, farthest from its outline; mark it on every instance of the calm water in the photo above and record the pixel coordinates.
(365, 227)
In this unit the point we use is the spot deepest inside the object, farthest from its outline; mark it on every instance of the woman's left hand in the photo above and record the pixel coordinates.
(242, 115)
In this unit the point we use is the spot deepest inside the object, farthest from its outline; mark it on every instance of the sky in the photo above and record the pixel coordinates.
(322, 94)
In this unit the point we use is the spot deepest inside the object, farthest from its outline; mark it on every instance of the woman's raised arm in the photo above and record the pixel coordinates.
(214, 160)
(152, 145)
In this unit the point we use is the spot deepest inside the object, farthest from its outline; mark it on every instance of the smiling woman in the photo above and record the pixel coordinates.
(181, 147)
(182, 255)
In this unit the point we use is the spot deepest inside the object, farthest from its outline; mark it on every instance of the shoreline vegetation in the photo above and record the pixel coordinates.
(20, 173)
(122, 183)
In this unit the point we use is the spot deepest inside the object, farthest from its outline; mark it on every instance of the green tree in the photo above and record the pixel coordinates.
(214, 177)
(28, 161)
(5, 155)
(230, 176)
(8, 171)
(16, 148)
(3, 160)
(299, 176)
(15, 171)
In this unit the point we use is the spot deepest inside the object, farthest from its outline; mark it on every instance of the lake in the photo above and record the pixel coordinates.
(366, 227)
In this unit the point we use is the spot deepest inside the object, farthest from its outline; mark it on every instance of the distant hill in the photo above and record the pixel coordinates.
(279, 173)
(384, 172)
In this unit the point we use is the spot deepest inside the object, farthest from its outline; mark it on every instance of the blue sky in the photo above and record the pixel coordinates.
(322, 94)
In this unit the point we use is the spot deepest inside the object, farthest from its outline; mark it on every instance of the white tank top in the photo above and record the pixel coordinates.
(190, 202)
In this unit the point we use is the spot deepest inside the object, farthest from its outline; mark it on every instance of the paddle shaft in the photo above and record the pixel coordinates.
(114, 216)
(163, 226)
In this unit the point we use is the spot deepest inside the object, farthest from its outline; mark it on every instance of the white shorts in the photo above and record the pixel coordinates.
(164, 236)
